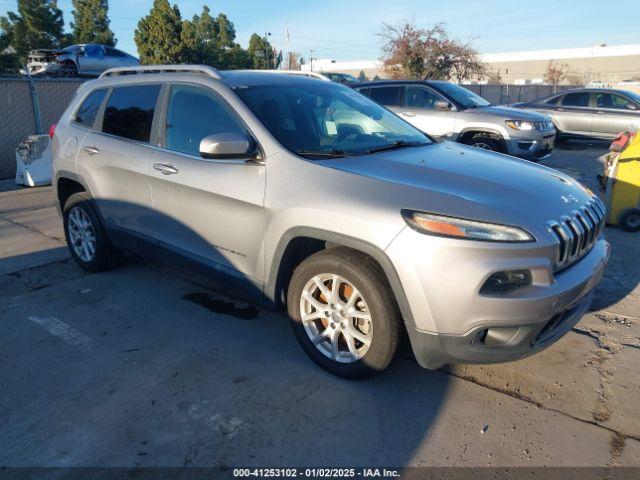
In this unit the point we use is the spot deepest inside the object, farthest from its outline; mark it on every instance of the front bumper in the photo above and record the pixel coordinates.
(531, 145)
(37, 68)
(495, 344)
(452, 322)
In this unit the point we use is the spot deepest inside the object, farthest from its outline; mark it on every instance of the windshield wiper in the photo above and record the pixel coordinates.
(335, 153)
(395, 145)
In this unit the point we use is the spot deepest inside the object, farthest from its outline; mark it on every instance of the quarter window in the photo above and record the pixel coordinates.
(577, 99)
(194, 113)
(420, 97)
(129, 112)
(386, 95)
(87, 112)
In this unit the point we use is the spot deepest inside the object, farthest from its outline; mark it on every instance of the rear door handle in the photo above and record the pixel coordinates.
(408, 114)
(91, 149)
(165, 168)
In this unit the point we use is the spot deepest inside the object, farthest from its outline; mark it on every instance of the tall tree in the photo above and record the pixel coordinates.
(226, 32)
(555, 73)
(37, 24)
(413, 52)
(8, 57)
(91, 23)
(260, 51)
(159, 35)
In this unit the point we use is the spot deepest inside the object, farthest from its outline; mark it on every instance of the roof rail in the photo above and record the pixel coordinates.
(141, 69)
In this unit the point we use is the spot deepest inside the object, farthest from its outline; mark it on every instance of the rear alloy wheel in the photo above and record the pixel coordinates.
(86, 238)
(485, 142)
(343, 313)
(630, 220)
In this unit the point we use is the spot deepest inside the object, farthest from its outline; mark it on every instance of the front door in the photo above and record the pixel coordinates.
(91, 59)
(211, 210)
(614, 114)
(420, 109)
(573, 113)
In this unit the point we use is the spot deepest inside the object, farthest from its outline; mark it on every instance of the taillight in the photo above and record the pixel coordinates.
(52, 130)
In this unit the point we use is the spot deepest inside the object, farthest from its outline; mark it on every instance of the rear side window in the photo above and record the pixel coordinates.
(87, 112)
(386, 95)
(194, 113)
(129, 112)
(578, 99)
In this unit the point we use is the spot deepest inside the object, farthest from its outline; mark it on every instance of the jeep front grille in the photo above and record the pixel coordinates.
(577, 232)
(543, 126)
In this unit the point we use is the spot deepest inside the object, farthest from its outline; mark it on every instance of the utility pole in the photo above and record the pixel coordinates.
(311, 59)
(266, 48)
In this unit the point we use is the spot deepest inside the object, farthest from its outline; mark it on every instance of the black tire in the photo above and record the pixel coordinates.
(106, 256)
(485, 142)
(630, 220)
(365, 275)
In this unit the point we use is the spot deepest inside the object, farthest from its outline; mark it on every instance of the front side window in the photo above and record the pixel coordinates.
(609, 100)
(420, 97)
(578, 99)
(93, 51)
(322, 118)
(464, 97)
(552, 101)
(389, 96)
(129, 112)
(192, 114)
(87, 112)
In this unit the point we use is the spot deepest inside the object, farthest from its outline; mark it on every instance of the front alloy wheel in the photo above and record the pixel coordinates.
(343, 313)
(336, 318)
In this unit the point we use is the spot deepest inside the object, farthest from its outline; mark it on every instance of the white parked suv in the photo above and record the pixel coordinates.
(325, 204)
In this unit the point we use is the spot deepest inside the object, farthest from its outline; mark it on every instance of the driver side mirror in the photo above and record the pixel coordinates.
(442, 105)
(226, 146)
(81, 52)
(632, 106)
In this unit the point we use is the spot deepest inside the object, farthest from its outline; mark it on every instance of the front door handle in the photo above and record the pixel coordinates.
(91, 149)
(408, 114)
(165, 168)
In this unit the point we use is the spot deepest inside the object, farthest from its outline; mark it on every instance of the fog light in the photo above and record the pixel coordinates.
(502, 282)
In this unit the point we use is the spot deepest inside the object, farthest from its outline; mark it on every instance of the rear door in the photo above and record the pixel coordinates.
(419, 109)
(613, 114)
(211, 210)
(114, 157)
(573, 113)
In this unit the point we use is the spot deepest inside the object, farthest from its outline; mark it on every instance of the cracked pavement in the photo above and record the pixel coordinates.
(145, 365)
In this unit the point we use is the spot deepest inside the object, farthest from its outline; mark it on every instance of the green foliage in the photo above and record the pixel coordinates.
(159, 35)
(37, 24)
(163, 37)
(8, 58)
(261, 52)
(91, 23)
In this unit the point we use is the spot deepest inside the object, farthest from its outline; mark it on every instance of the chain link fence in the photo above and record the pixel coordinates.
(29, 107)
(510, 94)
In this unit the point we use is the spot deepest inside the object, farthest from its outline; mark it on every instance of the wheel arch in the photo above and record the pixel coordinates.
(494, 133)
(300, 242)
(67, 185)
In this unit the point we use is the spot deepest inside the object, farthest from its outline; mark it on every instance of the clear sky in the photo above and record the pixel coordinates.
(346, 29)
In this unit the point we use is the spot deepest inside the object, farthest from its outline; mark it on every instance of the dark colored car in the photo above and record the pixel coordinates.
(594, 113)
(343, 78)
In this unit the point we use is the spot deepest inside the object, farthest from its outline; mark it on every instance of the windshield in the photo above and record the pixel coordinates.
(461, 95)
(327, 119)
(634, 96)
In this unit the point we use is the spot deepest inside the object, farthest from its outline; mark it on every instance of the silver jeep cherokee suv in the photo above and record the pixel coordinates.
(451, 112)
(326, 204)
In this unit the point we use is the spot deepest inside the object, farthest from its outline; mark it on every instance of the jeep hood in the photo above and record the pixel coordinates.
(509, 113)
(458, 180)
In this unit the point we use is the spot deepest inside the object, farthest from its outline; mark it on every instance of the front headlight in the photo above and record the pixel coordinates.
(520, 125)
(444, 226)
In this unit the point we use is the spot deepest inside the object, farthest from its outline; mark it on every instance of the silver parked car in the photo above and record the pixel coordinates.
(87, 59)
(592, 113)
(324, 203)
(451, 112)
